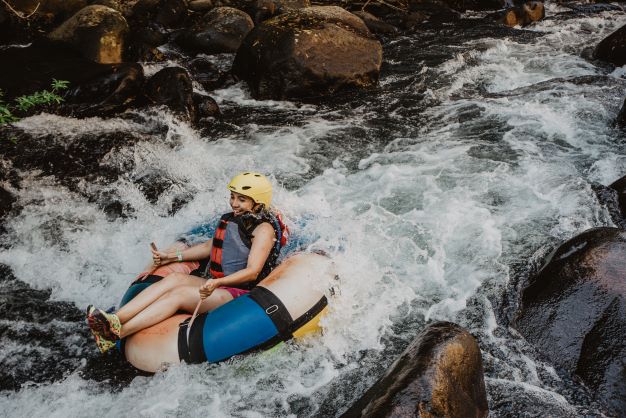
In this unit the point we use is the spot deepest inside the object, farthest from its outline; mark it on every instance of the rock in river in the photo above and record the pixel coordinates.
(522, 15)
(574, 311)
(308, 52)
(621, 117)
(613, 48)
(172, 87)
(220, 30)
(439, 375)
(98, 32)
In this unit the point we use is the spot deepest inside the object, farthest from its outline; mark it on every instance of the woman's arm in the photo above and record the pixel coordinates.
(197, 252)
(263, 238)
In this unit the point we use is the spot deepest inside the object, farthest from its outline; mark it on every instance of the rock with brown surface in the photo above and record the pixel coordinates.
(265, 9)
(374, 24)
(439, 375)
(522, 15)
(172, 87)
(200, 5)
(613, 48)
(308, 52)
(98, 32)
(574, 312)
(220, 30)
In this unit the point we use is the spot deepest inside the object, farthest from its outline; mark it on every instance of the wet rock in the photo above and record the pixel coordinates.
(613, 48)
(113, 4)
(619, 186)
(67, 159)
(266, 9)
(111, 90)
(432, 10)
(621, 117)
(609, 198)
(167, 13)
(206, 106)
(574, 311)
(98, 32)
(151, 23)
(95, 89)
(522, 15)
(172, 87)
(205, 73)
(374, 24)
(439, 375)
(220, 30)
(308, 52)
(6, 202)
(200, 5)
(153, 184)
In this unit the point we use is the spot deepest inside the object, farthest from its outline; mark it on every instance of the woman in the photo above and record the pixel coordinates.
(243, 251)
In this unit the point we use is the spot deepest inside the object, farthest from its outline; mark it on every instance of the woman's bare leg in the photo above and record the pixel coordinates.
(155, 291)
(180, 298)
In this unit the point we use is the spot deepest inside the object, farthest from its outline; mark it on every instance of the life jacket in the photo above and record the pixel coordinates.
(232, 242)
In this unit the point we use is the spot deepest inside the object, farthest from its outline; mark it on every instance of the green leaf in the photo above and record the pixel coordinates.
(59, 84)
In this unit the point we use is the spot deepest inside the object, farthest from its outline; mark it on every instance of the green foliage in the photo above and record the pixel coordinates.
(28, 102)
(5, 113)
(59, 85)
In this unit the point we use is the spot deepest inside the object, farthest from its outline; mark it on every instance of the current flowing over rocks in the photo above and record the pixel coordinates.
(437, 151)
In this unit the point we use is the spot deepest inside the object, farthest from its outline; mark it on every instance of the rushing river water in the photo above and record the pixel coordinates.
(436, 194)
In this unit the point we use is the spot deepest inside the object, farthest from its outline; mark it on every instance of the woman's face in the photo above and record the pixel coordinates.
(240, 204)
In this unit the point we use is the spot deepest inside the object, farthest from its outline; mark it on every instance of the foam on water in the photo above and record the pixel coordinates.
(416, 229)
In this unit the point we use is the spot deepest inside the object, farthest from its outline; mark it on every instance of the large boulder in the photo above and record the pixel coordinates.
(220, 30)
(97, 31)
(439, 375)
(613, 48)
(574, 312)
(308, 52)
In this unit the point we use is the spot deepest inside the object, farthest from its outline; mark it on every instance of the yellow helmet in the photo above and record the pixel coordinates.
(254, 185)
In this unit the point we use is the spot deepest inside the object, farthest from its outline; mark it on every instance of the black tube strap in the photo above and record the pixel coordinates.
(274, 308)
(310, 314)
(194, 351)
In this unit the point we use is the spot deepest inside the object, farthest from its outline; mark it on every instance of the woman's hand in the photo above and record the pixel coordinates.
(208, 288)
(159, 257)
